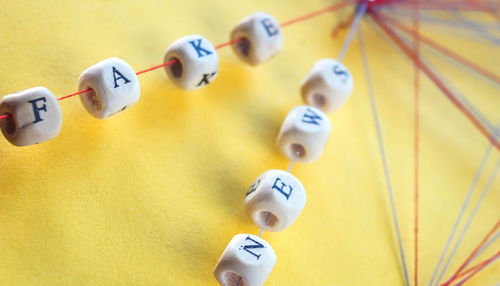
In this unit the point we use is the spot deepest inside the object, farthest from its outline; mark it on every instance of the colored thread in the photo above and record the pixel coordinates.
(264, 224)
(478, 31)
(342, 25)
(486, 10)
(316, 13)
(468, 105)
(228, 43)
(466, 202)
(443, 49)
(73, 94)
(290, 22)
(447, 6)
(382, 152)
(486, 238)
(461, 98)
(157, 67)
(293, 161)
(359, 14)
(480, 267)
(471, 217)
(487, 244)
(424, 68)
(416, 105)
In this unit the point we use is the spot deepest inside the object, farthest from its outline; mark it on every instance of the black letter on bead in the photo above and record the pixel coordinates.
(197, 47)
(281, 188)
(270, 28)
(250, 246)
(338, 71)
(36, 109)
(253, 187)
(116, 72)
(206, 77)
(310, 117)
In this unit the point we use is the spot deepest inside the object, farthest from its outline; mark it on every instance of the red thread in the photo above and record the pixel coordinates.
(485, 239)
(229, 43)
(453, 99)
(343, 25)
(416, 105)
(73, 94)
(284, 24)
(450, 6)
(478, 267)
(157, 67)
(485, 9)
(443, 49)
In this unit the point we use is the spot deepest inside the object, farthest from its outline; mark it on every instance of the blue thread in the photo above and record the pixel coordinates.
(293, 161)
(382, 152)
(355, 24)
(462, 210)
(471, 217)
(265, 223)
(463, 100)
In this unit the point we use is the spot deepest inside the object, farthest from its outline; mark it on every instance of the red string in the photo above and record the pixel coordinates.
(343, 25)
(229, 43)
(445, 6)
(284, 24)
(443, 49)
(73, 94)
(156, 67)
(469, 258)
(483, 265)
(453, 99)
(416, 106)
(485, 9)
(476, 268)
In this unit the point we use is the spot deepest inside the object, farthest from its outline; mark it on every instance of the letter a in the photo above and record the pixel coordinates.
(120, 76)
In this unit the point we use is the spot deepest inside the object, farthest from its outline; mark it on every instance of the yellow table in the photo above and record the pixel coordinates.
(153, 195)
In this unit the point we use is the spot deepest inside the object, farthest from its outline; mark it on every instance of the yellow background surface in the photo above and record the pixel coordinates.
(153, 195)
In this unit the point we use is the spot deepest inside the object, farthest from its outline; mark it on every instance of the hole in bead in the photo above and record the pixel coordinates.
(243, 46)
(298, 148)
(233, 279)
(10, 124)
(176, 68)
(271, 221)
(319, 100)
(93, 99)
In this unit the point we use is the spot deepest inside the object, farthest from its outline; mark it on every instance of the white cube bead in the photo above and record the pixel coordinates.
(197, 62)
(35, 116)
(259, 37)
(276, 196)
(114, 87)
(246, 261)
(305, 130)
(327, 86)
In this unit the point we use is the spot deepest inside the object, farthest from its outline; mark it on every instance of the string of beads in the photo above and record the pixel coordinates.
(276, 198)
